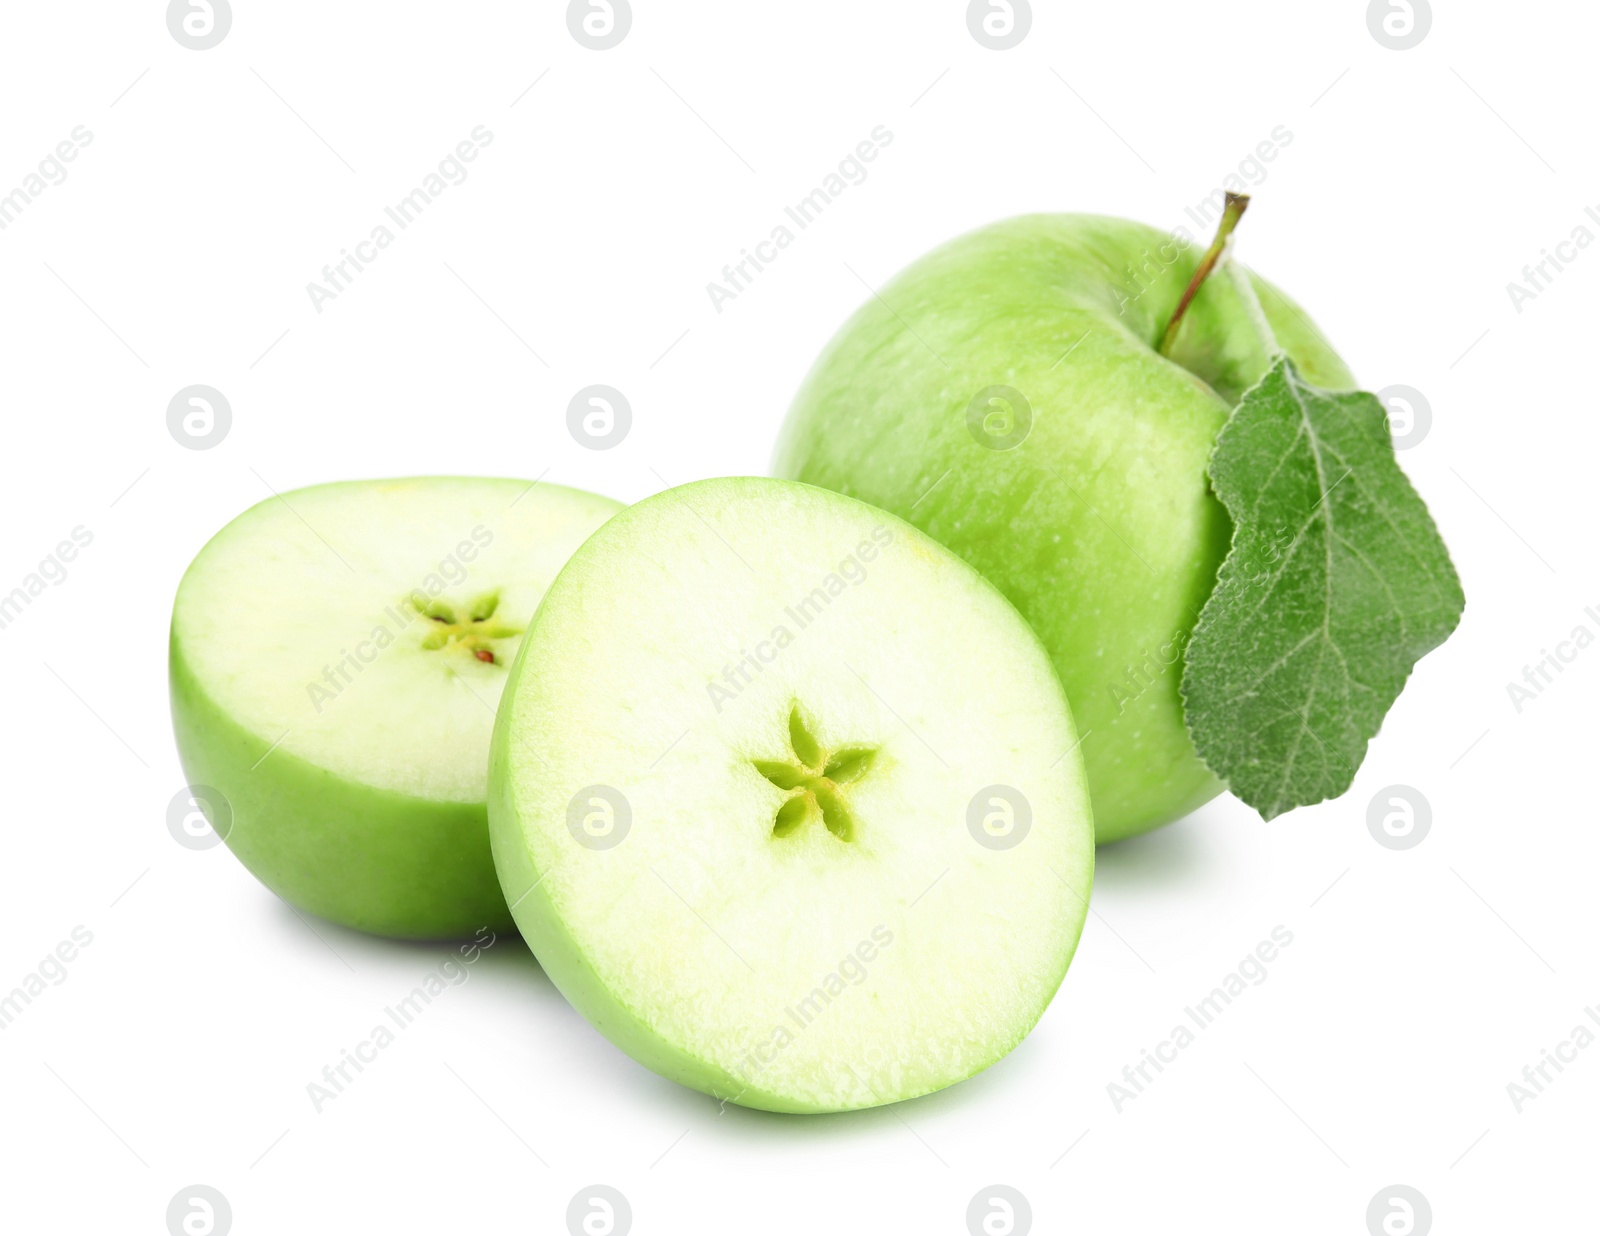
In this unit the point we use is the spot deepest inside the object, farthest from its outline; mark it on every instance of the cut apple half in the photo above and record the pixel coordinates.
(788, 802)
(337, 654)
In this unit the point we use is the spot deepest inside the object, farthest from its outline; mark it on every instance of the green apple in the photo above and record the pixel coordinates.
(787, 800)
(1005, 394)
(337, 655)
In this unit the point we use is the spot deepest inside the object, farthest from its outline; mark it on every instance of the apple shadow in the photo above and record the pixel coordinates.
(1170, 857)
(1154, 860)
(507, 960)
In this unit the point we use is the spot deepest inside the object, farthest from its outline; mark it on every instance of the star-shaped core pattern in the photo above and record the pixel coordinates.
(473, 628)
(815, 779)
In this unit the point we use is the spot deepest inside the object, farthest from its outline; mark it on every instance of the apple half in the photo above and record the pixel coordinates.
(337, 654)
(788, 802)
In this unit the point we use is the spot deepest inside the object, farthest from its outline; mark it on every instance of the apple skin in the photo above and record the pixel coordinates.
(1100, 526)
(377, 860)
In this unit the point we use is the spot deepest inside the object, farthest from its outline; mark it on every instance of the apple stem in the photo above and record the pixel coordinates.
(1232, 211)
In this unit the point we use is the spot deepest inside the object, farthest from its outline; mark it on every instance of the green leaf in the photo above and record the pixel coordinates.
(1336, 584)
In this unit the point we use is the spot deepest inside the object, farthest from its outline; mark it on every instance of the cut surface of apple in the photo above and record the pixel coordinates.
(337, 654)
(788, 802)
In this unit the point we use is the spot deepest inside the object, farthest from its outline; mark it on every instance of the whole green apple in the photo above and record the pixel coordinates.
(337, 655)
(1007, 395)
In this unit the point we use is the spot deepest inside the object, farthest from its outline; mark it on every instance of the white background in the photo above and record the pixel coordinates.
(178, 250)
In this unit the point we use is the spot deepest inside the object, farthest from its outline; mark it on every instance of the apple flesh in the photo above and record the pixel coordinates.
(787, 800)
(1005, 394)
(337, 655)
